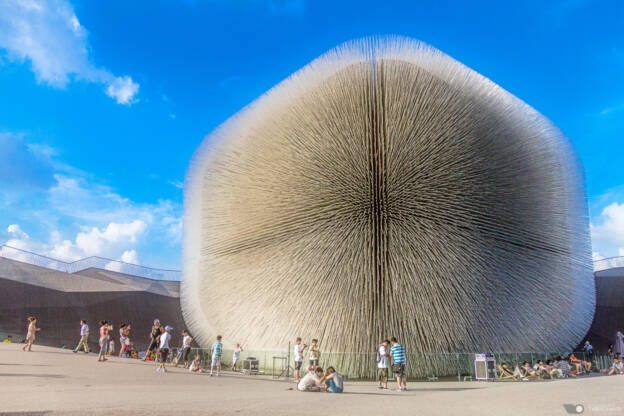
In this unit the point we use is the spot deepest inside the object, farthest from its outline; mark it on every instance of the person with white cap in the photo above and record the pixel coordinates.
(164, 348)
(154, 338)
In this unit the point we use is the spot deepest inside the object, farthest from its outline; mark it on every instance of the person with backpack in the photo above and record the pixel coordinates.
(383, 356)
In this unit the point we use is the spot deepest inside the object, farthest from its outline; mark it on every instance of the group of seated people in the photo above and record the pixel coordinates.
(559, 368)
(317, 380)
(617, 367)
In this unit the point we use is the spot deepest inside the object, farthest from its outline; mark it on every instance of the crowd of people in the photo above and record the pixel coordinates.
(391, 356)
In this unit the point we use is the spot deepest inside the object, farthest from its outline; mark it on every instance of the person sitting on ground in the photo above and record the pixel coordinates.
(616, 368)
(332, 380)
(552, 370)
(589, 349)
(526, 370)
(505, 372)
(311, 381)
(580, 365)
(8, 339)
(195, 366)
(564, 366)
(541, 370)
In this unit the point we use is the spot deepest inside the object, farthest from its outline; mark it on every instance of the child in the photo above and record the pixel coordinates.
(195, 366)
(111, 347)
(216, 350)
(315, 353)
(236, 356)
(311, 381)
(298, 353)
(616, 368)
(30, 335)
(333, 381)
(164, 348)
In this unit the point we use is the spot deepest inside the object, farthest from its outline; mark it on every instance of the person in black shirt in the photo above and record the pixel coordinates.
(154, 338)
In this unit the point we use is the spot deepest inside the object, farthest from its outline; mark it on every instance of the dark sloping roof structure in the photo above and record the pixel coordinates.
(60, 300)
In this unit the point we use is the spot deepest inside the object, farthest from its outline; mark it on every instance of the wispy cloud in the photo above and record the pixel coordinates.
(23, 166)
(610, 110)
(73, 214)
(48, 34)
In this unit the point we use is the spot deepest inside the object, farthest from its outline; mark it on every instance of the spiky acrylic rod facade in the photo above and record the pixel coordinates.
(386, 189)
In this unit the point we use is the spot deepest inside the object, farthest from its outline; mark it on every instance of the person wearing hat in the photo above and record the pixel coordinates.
(164, 348)
(154, 338)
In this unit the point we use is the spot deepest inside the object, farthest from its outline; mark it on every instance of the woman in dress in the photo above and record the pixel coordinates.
(30, 335)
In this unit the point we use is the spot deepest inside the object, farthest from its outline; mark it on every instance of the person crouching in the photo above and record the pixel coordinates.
(311, 381)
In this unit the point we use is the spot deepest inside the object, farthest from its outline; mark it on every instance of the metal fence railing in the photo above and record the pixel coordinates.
(28, 257)
(608, 263)
(363, 366)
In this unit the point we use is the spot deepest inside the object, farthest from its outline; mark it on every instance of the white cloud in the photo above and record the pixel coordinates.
(78, 218)
(113, 241)
(177, 184)
(48, 34)
(123, 90)
(609, 228)
(130, 256)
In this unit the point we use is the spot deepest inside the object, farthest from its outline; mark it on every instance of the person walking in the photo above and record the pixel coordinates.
(154, 338)
(104, 328)
(163, 347)
(298, 353)
(383, 356)
(84, 337)
(397, 351)
(217, 351)
(30, 333)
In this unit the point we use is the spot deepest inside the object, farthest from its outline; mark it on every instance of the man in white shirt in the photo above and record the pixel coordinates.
(311, 381)
(298, 350)
(164, 348)
(84, 337)
(186, 347)
(383, 357)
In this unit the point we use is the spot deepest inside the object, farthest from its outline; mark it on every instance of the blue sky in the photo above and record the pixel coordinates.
(103, 103)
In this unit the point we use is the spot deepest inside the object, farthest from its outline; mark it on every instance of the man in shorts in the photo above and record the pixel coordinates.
(397, 351)
(383, 357)
(298, 351)
(154, 338)
(217, 352)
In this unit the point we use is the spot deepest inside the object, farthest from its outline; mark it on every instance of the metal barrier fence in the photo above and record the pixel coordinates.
(363, 366)
(103, 263)
(608, 263)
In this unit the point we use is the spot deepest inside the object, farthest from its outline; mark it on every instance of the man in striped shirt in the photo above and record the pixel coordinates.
(397, 351)
(216, 351)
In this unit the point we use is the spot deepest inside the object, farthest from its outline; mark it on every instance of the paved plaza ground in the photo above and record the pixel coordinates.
(54, 381)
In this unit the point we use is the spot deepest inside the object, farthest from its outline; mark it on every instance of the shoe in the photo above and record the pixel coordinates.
(75, 351)
(218, 374)
(211, 374)
(385, 388)
(404, 388)
(380, 388)
(399, 389)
